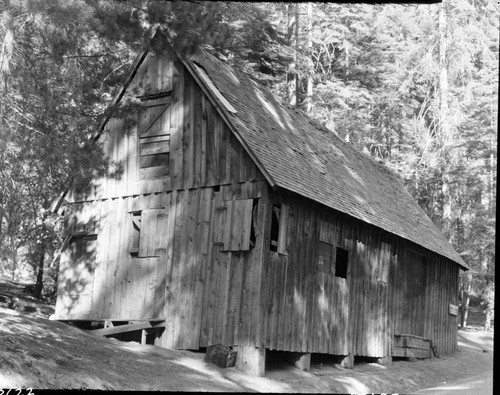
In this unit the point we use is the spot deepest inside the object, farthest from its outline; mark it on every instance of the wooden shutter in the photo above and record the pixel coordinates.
(282, 238)
(153, 222)
(234, 225)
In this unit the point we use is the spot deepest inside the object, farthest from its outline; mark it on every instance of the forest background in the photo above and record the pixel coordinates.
(414, 86)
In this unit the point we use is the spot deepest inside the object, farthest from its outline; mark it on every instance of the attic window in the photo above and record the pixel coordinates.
(278, 228)
(154, 136)
(341, 259)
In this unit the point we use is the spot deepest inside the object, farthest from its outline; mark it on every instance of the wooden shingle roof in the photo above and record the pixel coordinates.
(299, 155)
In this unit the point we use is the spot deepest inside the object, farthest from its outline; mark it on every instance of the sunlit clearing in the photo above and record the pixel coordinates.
(202, 367)
(260, 384)
(199, 366)
(135, 347)
(10, 380)
(377, 365)
(352, 385)
(7, 330)
(469, 346)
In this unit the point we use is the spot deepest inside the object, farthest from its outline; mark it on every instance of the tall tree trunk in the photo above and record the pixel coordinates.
(13, 256)
(293, 36)
(444, 127)
(6, 52)
(37, 292)
(443, 76)
(309, 91)
(466, 287)
(491, 189)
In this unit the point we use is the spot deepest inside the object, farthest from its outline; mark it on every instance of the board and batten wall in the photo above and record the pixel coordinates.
(182, 268)
(392, 287)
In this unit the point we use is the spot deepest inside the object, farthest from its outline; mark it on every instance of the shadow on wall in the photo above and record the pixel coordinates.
(76, 270)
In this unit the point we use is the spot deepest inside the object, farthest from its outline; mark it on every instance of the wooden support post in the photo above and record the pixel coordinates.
(304, 362)
(143, 336)
(348, 362)
(251, 360)
(301, 360)
(108, 323)
(385, 361)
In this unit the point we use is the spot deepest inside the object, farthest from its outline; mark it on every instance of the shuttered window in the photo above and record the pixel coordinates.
(235, 225)
(145, 237)
(154, 136)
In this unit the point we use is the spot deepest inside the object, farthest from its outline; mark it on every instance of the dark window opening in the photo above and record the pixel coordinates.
(275, 227)
(217, 188)
(253, 237)
(136, 233)
(341, 258)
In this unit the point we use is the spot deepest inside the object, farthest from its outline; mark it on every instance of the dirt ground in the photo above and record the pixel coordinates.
(39, 353)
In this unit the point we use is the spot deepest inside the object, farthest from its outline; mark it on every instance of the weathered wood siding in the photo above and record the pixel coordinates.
(212, 294)
(424, 286)
(369, 292)
(389, 289)
(192, 267)
(306, 310)
(203, 152)
(121, 285)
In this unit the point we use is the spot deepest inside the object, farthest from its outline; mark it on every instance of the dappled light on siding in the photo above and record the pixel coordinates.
(325, 310)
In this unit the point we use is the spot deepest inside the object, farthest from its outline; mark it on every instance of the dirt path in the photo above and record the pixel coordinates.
(38, 353)
(482, 384)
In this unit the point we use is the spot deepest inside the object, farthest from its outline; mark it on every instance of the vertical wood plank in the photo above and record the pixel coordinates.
(196, 122)
(204, 137)
(187, 127)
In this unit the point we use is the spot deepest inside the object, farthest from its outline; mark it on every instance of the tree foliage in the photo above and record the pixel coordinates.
(414, 88)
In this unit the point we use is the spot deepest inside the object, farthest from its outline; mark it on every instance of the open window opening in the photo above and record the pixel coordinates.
(275, 227)
(341, 259)
(253, 237)
(279, 219)
(136, 233)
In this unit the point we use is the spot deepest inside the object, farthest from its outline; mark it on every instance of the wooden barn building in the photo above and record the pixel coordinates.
(239, 221)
